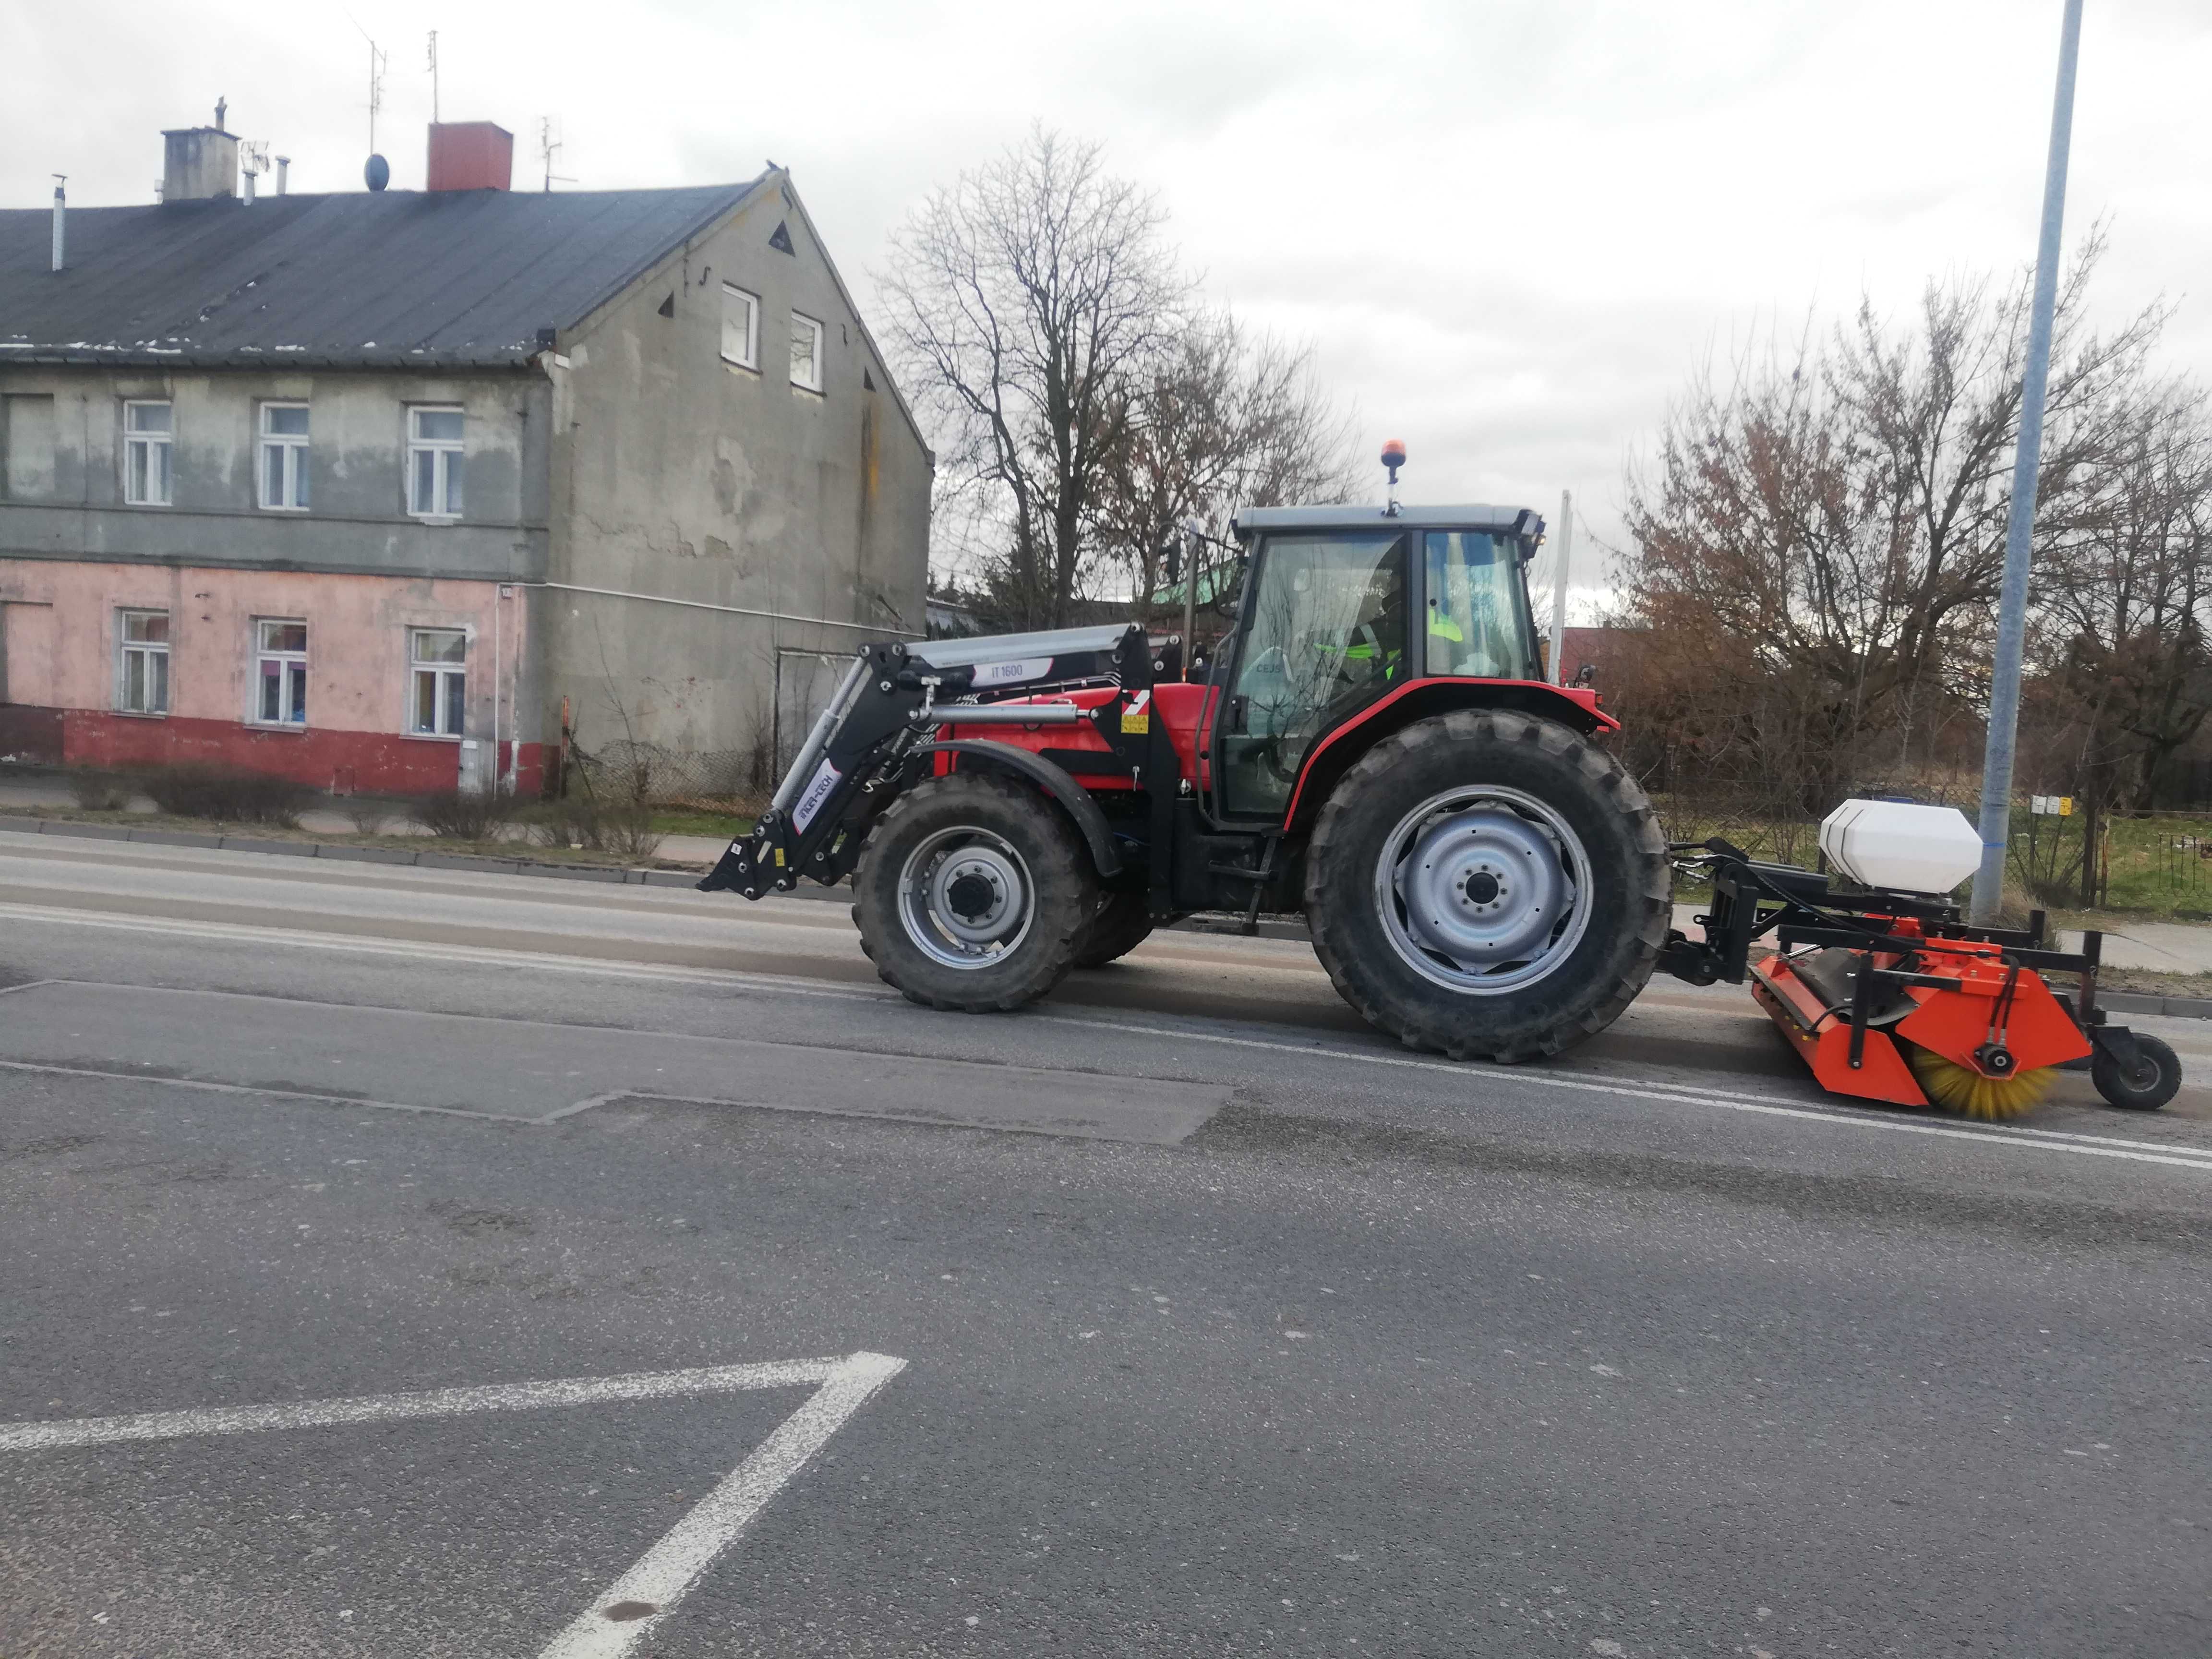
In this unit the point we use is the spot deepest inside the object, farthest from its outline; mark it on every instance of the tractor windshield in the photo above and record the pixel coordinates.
(1478, 609)
(1327, 633)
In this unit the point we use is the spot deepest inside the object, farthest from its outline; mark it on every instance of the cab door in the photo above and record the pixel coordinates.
(1323, 634)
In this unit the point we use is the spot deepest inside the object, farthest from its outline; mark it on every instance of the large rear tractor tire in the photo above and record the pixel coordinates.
(973, 892)
(1123, 922)
(1488, 885)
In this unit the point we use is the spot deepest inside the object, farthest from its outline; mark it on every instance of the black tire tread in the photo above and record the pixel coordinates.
(1123, 922)
(2116, 1089)
(1066, 901)
(1652, 886)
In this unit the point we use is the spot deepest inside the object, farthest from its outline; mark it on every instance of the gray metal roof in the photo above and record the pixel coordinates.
(387, 279)
(1366, 515)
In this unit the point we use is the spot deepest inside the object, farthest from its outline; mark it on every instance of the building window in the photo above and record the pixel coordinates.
(141, 669)
(740, 327)
(433, 463)
(806, 343)
(440, 683)
(281, 672)
(284, 456)
(147, 429)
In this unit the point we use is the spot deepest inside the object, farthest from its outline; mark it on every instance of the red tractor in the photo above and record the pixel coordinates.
(1373, 745)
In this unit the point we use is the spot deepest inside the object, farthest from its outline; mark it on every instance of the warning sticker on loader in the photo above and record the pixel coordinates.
(817, 790)
(1137, 718)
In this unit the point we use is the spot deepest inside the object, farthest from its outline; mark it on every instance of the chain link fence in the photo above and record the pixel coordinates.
(728, 780)
(2152, 865)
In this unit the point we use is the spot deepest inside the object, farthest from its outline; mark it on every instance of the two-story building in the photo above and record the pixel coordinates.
(368, 488)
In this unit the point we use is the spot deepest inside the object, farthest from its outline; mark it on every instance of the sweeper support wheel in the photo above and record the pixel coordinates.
(2142, 1087)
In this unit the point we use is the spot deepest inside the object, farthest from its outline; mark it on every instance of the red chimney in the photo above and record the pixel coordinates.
(470, 155)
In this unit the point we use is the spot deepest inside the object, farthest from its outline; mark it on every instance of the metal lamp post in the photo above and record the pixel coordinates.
(2019, 524)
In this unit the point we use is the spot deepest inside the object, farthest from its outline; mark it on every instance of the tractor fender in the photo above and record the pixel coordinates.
(1053, 780)
(1337, 753)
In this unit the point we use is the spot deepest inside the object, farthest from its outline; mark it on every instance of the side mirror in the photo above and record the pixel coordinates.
(1229, 602)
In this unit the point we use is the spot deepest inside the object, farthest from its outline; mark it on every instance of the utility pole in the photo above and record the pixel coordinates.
(1559, 591)
(2020, 521)
(1194, 541)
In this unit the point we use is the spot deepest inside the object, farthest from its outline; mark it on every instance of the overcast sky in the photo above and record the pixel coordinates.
(1512, 229)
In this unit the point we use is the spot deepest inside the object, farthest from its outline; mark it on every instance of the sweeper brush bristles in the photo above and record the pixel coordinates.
(1961, 1088)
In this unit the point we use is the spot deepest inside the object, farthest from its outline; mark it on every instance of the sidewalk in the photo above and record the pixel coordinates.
(2162, 947)
(24, 797)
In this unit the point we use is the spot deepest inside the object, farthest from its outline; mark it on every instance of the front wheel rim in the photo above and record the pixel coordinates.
(1483, 890)
(966, 898)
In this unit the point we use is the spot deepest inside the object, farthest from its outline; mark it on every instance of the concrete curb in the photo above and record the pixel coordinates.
(426, 859)
(2119, 1002)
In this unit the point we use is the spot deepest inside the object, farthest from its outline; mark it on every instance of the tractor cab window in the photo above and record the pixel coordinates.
(1327, 633)
(1477, 611)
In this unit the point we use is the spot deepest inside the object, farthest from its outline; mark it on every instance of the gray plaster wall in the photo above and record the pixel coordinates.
(682, 476)
(357, 521)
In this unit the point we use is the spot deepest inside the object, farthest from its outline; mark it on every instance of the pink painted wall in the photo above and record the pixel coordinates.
(62, 623)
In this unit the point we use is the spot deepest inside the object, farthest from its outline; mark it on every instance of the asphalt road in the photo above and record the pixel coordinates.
(1208, 1322)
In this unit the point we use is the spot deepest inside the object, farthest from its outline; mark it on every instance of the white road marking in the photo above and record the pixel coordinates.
(207, 1087)
(2016, 1137)
(477, 955)
(660, 1578)
(664, 1573)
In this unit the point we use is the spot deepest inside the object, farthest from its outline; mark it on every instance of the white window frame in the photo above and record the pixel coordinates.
(134, 442)
(439, 671)
(821, 350)
(752, 358)
(292, 450)
(146, 651)
(289, 717)
(442, 473)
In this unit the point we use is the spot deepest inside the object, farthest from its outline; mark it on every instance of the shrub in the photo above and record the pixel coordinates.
(464, 814)
(626, 831)
(100, 792)
(370, 814)
(233, 797)
(622, 828)
(567, 823)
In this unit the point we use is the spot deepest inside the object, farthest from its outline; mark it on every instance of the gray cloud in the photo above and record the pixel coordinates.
(1512, 228)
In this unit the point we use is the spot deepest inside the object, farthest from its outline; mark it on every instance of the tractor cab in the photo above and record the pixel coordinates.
(1345, 607)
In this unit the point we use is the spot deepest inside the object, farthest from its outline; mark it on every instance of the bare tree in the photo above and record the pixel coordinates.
(1218, 419)
(2126, 670)
(1022, 296)
(1828, 527)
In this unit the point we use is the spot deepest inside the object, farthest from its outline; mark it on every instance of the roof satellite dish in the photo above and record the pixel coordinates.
(378, 173)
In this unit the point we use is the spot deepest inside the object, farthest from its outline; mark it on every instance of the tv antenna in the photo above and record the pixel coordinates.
(253, 160)
(548, 147)
(377, 60)
(434, 77)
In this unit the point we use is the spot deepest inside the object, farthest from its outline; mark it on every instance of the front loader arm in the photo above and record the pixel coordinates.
(874, 737)
(819, 816)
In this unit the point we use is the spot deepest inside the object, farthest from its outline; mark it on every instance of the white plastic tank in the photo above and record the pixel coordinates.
(1899, 845)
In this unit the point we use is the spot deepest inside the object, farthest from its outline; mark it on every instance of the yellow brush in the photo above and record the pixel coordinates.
(1961, 1088)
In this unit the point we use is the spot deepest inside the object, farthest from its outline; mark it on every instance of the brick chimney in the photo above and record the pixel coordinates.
(470, 155)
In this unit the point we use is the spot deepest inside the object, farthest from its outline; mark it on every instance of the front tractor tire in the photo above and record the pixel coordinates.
(975, 892)
(1488, 885)
(1123, 922)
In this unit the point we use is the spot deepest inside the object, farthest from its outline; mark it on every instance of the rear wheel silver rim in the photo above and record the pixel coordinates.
(966, 898)
(1483, 890)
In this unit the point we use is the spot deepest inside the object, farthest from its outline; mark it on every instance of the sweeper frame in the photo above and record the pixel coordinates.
(1889, 996)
